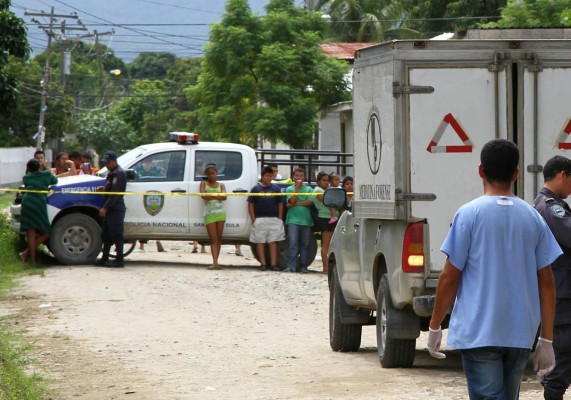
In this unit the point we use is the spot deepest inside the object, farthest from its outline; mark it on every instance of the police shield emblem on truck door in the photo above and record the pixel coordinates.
(153, 202)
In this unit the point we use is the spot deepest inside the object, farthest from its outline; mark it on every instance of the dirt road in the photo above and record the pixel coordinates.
(164, 327)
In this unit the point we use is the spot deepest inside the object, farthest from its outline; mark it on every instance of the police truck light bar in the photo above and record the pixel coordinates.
(183, 137)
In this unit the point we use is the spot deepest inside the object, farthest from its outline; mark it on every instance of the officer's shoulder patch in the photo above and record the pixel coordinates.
(557, 210)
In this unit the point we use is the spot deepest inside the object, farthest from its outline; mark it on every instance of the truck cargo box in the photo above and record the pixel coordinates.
(422, 111)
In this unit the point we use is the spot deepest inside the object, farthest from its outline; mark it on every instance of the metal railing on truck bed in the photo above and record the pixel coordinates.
(308, 159)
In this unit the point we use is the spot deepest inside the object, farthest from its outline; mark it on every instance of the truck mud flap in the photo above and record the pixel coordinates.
(423, 305)
(403, 324)
(350, 315)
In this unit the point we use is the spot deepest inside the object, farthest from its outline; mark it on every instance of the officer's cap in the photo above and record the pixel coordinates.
(109, 156)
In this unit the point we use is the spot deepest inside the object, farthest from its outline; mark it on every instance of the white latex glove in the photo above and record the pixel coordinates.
(544, 357)
(434, 340)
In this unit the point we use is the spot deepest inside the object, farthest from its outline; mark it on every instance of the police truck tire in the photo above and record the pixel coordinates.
(393, 353)
(342, 337)
(75, 239)
(127, 249)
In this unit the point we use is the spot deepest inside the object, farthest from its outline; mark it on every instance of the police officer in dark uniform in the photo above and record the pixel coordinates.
(113, 211)
(557, 214)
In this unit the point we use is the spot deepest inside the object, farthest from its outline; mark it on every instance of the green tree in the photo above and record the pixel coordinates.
(103, 130)
(151, 65)
(150, 111)
(265, 76)
(367, 20)
(534, 14)
(19, 123)
(13, 43)
(433, 17)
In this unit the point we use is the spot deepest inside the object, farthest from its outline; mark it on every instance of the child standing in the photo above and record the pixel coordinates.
(214, 215)
(34, 218)
(266, 213)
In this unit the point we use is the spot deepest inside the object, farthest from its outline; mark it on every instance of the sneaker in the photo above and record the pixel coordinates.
(262, 268)
(115, 264)
(303, 270)
(101, 262)
(287, 269)
(274, 268)
(238, 253)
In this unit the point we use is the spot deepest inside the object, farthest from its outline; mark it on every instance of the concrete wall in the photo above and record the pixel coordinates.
(13, 163)
(336, 131)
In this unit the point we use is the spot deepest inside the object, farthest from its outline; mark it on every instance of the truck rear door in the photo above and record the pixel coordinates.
(545, 116)
(447, 129)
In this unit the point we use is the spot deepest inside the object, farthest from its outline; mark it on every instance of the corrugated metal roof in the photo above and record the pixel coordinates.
(343, 51)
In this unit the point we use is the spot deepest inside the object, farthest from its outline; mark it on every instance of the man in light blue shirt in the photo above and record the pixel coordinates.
(498, 276)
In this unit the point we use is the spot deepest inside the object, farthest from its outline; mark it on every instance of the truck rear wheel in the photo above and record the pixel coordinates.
(283, 248)
(76, 239)
(342, 337)
(393, 353)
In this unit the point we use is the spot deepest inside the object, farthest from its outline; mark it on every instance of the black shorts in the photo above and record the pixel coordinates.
(322, 224)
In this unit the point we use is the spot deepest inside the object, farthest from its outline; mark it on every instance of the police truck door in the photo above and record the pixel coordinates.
(160, 207)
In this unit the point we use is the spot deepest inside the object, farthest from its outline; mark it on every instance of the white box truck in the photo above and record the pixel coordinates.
(422, 111)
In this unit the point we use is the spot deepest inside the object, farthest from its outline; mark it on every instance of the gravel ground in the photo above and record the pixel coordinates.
(165, 327)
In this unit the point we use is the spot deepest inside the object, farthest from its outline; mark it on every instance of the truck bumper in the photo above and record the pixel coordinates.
(423, 305)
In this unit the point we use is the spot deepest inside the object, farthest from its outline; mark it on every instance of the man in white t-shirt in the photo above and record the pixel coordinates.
(498, 276)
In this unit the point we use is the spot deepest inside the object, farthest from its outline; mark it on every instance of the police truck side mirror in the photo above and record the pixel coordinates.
(335, 198)
(131, 175)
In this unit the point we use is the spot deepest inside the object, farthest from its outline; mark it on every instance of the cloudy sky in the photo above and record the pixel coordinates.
(177, 26)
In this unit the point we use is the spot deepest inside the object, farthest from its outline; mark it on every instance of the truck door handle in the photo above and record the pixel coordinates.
(356, 225)
(178, 191)
(342, 229)
(240, 191)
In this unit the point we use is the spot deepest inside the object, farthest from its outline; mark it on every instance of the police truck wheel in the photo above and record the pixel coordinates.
(393, 353)
(342, 337)
(76, 239)
(128, 248)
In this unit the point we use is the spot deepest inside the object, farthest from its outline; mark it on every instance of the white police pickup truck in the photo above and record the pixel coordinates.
(163, 205)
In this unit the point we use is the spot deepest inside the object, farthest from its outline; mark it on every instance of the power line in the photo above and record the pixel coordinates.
(117, 25)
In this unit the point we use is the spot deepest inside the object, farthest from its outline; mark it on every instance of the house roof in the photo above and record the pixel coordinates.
(343, 51)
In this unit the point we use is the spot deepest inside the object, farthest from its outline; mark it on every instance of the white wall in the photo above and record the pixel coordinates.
(336, 131)
(13, 163)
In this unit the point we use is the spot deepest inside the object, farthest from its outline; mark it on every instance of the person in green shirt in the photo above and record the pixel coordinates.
(298, 221)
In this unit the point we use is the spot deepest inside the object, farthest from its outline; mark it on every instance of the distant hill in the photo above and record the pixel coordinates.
(177, 26)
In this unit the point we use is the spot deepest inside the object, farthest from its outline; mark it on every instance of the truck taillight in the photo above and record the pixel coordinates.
(413, 248)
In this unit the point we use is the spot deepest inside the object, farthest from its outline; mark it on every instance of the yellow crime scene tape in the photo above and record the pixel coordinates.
(72, 192)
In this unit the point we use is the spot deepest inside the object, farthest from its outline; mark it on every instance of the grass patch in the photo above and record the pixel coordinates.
(15, 380)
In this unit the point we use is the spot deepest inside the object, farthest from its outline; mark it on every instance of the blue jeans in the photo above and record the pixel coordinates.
(494, 373)
(298, 237)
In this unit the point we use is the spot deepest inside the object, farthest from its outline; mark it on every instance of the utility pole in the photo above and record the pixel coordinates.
(102, 73)
(41, 134)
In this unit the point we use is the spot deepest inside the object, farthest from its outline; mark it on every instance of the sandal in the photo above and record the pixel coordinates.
(211, 267)
(195, 250)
